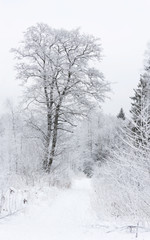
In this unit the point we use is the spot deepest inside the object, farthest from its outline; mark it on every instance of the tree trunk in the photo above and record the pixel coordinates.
(49, 104)
(54, 139)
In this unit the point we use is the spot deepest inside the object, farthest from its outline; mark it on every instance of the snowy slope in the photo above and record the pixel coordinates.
(66, 215)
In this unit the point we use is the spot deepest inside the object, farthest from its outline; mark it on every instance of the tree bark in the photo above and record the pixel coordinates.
(54, 138)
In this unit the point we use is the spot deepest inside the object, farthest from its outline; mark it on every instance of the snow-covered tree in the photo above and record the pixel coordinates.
(56, 68)
(121, 114)
(94, 142)
(124, 179)
(140, 112)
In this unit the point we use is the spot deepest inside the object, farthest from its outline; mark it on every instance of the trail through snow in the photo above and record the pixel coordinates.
(68, 215)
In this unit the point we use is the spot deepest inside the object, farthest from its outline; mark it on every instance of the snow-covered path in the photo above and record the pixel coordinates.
(68, 216)
(65, 217)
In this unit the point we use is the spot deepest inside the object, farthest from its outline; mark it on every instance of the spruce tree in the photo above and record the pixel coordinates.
(140, 111)
(121, 114)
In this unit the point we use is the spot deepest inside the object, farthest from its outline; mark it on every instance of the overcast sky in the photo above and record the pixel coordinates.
(122, 25)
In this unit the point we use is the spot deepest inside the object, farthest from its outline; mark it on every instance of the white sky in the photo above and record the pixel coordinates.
(122, 25)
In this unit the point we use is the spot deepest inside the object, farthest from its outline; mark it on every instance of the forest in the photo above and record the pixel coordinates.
(58, 131)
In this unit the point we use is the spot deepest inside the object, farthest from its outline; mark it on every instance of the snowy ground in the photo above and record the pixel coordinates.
(63, 215)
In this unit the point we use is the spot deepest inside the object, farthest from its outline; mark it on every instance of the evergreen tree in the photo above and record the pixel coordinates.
(140, 111)
(121, 114)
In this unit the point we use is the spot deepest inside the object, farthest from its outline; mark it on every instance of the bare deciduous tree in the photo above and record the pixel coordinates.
(55, 67)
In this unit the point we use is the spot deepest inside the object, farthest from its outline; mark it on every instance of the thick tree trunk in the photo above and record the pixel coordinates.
(54, 139)
(46, 156)
(49, 104)
(52, 133)
(47, 142)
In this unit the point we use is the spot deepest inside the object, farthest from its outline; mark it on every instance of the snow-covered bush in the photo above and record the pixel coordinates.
(122, 188)
(60, 178)
(94, 141)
